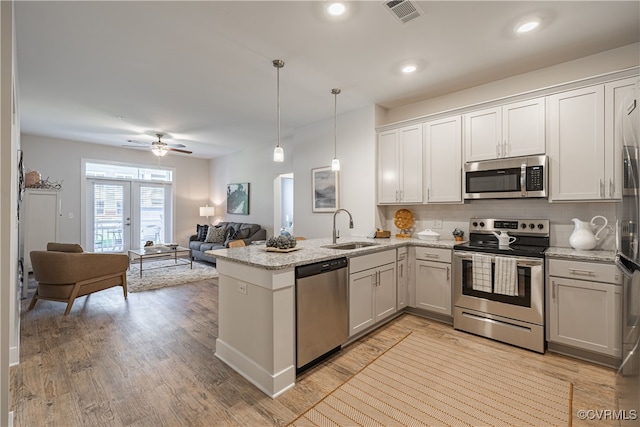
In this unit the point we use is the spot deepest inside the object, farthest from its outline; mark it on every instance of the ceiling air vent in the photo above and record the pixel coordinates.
(403, 10)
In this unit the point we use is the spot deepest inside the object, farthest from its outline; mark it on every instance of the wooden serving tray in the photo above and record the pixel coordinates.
(282, 251)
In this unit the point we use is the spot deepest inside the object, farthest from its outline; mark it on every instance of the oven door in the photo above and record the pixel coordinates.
(528, 303)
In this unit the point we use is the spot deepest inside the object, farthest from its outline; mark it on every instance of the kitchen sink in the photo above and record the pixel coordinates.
(351, 245)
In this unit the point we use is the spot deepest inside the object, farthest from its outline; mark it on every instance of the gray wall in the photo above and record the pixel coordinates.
(61, 160)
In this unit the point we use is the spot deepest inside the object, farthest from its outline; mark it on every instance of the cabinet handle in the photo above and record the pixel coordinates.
(504, 149)
(378, 276)
(401, 195)
(601, 189)
(448, 277)
(582, 272)
(612, 187)
(428, 194)
(553, 289)
(498, 149)
(402, 270)
(427, 255)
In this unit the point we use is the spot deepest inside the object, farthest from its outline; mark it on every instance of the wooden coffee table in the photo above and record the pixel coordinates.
(155, 252)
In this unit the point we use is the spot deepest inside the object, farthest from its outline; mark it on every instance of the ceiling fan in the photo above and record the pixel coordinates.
(159, 148)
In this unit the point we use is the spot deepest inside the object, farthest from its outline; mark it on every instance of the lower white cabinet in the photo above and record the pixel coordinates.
(372, 289)
(40, 222)
(403, 277)
(584, 306)
(433, 280)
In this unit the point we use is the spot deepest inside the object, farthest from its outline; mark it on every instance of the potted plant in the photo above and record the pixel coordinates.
(458, 234)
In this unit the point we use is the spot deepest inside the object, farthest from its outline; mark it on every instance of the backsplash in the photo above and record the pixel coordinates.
(559, 214)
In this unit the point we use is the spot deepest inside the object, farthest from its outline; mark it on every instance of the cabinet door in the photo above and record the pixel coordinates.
(576, 144)
(523, 128)
(361, 300)
(410, 167)
(618, 96)
(433, 286)
(585, 315)
(403, 280)
(388, 175)
(385, 292)
(482, 134)
(443, 160)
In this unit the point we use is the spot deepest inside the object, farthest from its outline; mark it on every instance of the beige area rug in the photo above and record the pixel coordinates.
(423, 381)
(162, 274)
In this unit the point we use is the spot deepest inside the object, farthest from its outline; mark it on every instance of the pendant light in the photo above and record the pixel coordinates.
(335, 163)
(278, 152)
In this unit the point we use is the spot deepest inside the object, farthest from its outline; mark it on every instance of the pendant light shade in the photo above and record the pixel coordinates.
(278, 152)
(335, 163)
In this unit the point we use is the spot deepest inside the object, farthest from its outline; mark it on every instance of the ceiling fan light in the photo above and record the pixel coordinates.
(159, 151)
(335, 165)
(278, 154)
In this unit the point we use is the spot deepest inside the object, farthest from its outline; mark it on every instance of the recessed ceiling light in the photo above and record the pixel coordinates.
(409, 68)
(336, 9)
(527, 26)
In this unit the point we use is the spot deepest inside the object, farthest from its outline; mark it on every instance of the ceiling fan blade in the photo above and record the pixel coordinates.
(135, 146)
(180, 151)
(139, 142)
(176, 145)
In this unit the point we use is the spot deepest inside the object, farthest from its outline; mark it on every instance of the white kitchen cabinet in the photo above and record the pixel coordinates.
(402, 265)
(584, 306)
(372, 290)
(617, 97)
(511, 130)
(40, 222)
(576, 144)
(433, 280)
(443, 160)
(400, 165)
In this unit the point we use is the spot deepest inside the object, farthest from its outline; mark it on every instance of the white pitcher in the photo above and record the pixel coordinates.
(582, 237)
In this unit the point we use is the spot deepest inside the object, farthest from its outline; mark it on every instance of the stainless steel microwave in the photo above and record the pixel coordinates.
(513, 178)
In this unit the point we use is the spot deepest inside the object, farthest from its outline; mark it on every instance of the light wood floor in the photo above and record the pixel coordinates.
(149, 361)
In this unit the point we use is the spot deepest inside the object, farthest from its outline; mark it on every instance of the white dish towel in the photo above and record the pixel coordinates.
(505, 278)
(481, 273)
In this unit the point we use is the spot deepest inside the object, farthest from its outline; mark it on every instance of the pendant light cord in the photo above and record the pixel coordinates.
(335, 93)
(278, 63)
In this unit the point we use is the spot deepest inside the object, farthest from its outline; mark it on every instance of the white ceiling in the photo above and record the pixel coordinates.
(106, 72)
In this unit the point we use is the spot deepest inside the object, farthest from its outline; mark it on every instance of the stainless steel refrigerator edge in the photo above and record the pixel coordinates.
(628, 259)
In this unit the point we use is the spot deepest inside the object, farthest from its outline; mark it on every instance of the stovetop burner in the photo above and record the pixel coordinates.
(532, 237)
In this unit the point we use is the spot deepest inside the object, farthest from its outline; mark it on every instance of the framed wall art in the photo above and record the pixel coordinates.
(238, 198)
(325, 188)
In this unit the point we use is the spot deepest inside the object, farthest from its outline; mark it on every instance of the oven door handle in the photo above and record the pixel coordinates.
(520, 261)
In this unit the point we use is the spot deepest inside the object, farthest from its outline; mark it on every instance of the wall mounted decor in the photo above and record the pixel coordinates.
(325, 188)
(238, 198)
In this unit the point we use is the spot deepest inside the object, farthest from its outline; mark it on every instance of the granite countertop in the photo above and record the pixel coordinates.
(570, 253)
(314, 250)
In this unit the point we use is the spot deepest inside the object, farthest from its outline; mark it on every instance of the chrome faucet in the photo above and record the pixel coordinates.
(335, 233)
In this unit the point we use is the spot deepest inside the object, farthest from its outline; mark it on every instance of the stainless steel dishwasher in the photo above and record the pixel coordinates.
(322, 312)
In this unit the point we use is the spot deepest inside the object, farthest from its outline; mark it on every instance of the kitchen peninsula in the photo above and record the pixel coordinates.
(256, 324)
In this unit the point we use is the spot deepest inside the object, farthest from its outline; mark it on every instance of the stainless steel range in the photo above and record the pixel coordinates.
(499, 288)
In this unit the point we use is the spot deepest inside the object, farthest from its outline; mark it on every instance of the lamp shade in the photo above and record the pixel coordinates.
(207, 211)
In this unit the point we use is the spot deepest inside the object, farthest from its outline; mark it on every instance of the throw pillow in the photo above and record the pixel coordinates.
(232, 234)
(215, 235)
(64, 247)
(202, 232)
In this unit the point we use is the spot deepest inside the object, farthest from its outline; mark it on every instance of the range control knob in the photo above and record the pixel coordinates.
(523, 225)
(532, 226)
(481, 224)
(540, 226)
(475, 223)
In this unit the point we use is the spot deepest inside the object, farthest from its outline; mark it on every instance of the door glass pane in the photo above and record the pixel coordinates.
(152, 214)
(108, 202)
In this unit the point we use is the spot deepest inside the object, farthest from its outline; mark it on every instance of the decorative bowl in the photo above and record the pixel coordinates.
(428, 235)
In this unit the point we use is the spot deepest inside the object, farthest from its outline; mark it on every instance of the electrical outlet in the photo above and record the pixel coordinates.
(437, 223)
(242, 288)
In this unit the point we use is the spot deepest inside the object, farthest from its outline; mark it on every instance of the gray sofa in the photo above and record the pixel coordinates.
(232, 231)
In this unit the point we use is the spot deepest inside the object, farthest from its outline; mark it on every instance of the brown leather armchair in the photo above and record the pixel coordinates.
(65, 272)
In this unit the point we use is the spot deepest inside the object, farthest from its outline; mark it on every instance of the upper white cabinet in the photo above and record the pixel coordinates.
(511, 130)
(400, 165)
(585, 148)
(443, 160)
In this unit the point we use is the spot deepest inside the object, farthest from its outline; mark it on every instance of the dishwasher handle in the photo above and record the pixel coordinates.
(320, 267)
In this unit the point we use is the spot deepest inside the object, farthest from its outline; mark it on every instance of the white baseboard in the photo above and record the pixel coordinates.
(10, 421)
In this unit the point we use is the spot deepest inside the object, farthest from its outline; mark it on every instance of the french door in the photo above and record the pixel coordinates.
(126, 214)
